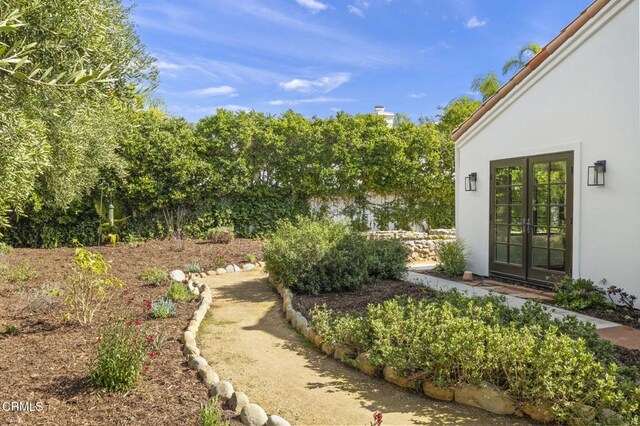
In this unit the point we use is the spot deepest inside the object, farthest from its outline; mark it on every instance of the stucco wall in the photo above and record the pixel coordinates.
(585, 98)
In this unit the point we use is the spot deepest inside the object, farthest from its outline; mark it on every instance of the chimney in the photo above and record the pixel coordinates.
(379, 109)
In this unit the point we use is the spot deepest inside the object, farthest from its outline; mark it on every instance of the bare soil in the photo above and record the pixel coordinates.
(247, 340)
(46, 360)
(357, 301)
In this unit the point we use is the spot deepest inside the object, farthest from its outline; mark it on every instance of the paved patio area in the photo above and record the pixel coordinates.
(516, 296)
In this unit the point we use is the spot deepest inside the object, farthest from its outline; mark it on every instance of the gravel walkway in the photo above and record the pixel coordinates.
(248, 342)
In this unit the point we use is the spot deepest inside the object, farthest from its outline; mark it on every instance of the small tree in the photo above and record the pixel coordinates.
(91, 286)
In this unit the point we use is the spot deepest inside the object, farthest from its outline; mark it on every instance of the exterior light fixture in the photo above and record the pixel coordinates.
(111, 220)
(470, 182)
(596, 173)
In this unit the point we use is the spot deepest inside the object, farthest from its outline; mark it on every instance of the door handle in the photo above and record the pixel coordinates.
(527, 225)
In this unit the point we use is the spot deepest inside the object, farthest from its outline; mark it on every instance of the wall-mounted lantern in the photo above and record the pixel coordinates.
(470, 182)
(595, 173)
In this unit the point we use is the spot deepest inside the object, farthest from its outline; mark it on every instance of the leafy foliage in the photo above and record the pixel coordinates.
(321, 256)
(210, 415)
(21, 272)
(120, 354)
(163, 308)
(453, 339)
(154, 276)
(453, 257)
(178, 292)
(68, 75)
(220, 235)
(578, 294)
(90, 286)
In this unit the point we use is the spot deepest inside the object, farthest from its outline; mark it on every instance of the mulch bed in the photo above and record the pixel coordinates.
(357, 301)
(47, 359)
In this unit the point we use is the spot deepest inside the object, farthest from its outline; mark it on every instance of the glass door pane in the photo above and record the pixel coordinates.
(549, 209)
(508, 209)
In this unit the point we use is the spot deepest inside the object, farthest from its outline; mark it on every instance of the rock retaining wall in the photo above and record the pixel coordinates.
(250, 414)
(422, 245)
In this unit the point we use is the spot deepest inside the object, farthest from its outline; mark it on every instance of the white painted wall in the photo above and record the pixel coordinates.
(584, 98)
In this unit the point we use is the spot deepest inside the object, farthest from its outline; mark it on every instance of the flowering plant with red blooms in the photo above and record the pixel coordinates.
(121, 354)
(147, 304)
(377, 418)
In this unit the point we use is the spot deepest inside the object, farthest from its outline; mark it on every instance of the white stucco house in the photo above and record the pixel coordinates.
(548, 169)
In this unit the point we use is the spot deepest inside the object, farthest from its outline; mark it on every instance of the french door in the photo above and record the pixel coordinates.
(531, 217)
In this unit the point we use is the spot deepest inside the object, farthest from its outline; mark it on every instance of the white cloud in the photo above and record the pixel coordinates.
(214, 91)
(358, 12)
(324, 84)
(416, 95)
(313, 5)
(474, 22)
(318, 100)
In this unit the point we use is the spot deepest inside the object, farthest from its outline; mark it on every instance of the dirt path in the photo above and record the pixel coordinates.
(248, 342)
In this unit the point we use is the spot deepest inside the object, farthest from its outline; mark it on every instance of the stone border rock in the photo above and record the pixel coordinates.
(250, 414)
(486, 397)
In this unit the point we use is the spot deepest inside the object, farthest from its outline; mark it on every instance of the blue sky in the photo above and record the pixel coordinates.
(320, 56)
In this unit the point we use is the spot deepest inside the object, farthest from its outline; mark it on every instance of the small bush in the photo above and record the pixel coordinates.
(453, 257)
(10, 329)
(295, 247)
(178, 292)
(580, 294)
(251, 258)
(120, 354)
(21, 272)
(154, 276)
(221, 235)
(193, 268)
(43, 299)
(210, 414)
(91, 286)
(219, 262)
(163, 308)
(322, 256)
(354, 262)
(5, 249)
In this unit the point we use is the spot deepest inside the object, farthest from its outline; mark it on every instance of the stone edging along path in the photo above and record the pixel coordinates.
(487, 397)
(250, 414)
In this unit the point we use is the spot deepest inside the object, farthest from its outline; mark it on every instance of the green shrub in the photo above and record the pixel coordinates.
(221, 235)
(163, 308)
(451, 339)
(295, 247)
(178, 292)
(120, 354)
(322, 256)
(580, 294)
(91, 286)
(20, 272)
(251, 258)
(193, 268)
(219, 262)
(5, 248)
(154, 276)
(452, 256)
(210, 415)
(10, 329)
(349, 330)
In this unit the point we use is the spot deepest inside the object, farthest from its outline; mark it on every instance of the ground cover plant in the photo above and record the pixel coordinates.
(154, 276)
(449, 338)
(318, 256)
(178, 292)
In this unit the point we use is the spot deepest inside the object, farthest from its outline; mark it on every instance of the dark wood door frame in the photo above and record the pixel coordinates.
(531, 220)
